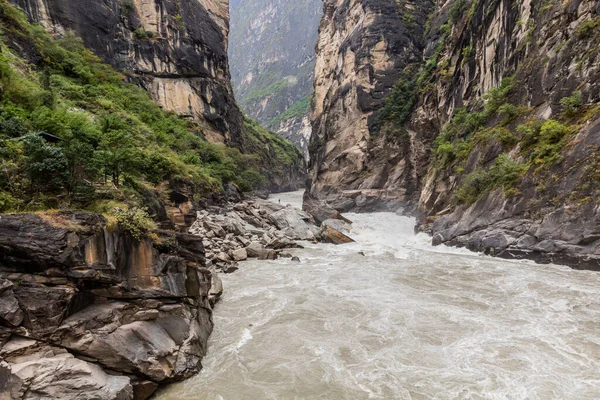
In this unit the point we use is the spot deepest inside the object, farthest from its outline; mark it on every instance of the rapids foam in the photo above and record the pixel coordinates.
(404, 321)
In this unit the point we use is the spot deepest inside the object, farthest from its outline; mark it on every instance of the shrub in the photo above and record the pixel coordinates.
(142, 34)
(572, 103)
(8, 202)
(497, 97)
(552, 131)
(399, 105)
(587, 28)
(505, 173)
(510, 111)
(135, 221)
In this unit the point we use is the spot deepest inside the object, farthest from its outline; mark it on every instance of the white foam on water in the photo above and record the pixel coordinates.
(246, 337)
(403, 321)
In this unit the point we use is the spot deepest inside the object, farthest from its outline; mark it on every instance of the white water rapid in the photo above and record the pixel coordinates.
(403, 321)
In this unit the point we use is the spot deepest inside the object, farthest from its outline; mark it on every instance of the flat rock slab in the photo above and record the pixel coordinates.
(331, 235)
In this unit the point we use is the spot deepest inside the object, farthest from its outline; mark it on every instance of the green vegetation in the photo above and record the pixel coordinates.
(458, 10)
(504, 173)
(135, 221)
(399, 105)
(115, 141)
(467, 129)
(142, 34)
(540, 143)
(572, 103)
(296, 110)
(587, 28)
(543, 141)
(260, 93)
(275, 155)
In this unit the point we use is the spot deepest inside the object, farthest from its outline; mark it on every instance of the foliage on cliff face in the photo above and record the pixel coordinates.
(114, 138)
(497, 138)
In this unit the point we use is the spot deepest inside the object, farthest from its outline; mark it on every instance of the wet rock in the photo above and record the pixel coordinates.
(239, 254)
(255, 249)
(229, 269)
(282, 243)
(320, 210)
(143, 389)
(295, 259)
(268, 255)
(337, 224)
(296, 223)
(331, 235)
(216, 288)
(151, 348)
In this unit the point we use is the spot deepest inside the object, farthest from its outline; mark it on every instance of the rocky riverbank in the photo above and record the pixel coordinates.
(88, 311)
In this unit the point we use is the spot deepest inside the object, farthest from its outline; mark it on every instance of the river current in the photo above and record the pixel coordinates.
(391, 317)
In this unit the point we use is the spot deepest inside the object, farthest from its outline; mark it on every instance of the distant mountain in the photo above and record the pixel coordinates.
(272, 60)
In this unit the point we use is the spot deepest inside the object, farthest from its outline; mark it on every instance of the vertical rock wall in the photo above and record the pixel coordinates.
(363, 48)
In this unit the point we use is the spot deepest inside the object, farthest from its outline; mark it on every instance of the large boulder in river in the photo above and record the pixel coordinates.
(294, 223)
(320, 210)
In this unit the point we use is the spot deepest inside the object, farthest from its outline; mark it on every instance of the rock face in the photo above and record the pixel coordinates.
(272, 62)
(490, 134)
(363, 47)
(88, 311)
(177, 50)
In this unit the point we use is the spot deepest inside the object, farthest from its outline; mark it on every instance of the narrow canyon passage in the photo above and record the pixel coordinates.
(403, 321)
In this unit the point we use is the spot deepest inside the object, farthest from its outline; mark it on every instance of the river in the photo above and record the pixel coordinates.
(403, 321)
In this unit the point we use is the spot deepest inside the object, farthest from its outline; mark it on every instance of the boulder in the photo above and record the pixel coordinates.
(143, 389)
(320, 210)
(296, 223)
(44, 307)
(216, 288)
(154, 348)
(331, 235)
(239, 254)
(255, 249)
(337, 224)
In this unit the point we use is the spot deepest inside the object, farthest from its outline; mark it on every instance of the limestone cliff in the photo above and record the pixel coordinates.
(363, 47)
(177, 50)
(489, 134)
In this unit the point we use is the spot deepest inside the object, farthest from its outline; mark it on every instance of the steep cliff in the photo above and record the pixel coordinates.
(272, 62)
(363, 48)
(177, 50)
(491, 136)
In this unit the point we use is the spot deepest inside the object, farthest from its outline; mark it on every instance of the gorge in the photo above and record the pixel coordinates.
(459, 139)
